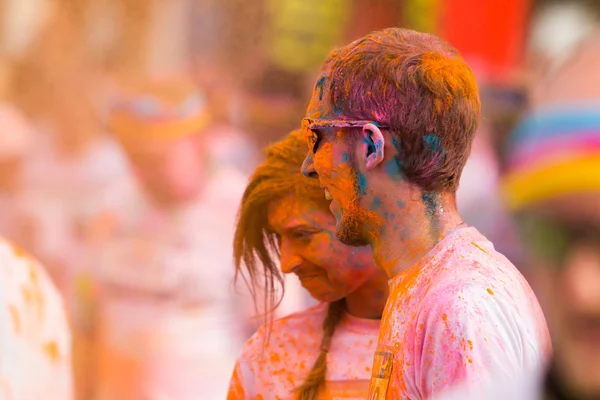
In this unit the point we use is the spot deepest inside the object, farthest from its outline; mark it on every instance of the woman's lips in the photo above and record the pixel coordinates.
(307, 277)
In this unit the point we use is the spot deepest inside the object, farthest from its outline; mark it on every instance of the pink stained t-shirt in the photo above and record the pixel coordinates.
(273, 369)
(35, 343)
(461, 315)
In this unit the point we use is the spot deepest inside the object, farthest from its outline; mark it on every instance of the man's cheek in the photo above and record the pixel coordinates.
(322, 165)
(342, 174)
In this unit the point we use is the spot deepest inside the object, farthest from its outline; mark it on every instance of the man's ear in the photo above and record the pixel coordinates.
(373, 138)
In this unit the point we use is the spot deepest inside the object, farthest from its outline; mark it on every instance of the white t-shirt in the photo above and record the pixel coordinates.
(274, 363)
(462, 315)
(35, 343)
(526, 386)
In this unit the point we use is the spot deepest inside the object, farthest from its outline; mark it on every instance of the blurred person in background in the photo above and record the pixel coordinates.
(170, 322)
(72, 169)
(556, 27)
(35, 343)
(324, 351)
(552, 186)
(15, 142)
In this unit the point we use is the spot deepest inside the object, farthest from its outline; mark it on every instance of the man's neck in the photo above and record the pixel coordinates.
(412, 230)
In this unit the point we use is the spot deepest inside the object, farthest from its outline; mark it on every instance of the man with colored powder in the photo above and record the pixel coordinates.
(552, 187)
(170, 321)
(389, 129)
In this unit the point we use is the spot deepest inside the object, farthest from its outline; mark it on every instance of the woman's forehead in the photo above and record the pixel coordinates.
(290, 211)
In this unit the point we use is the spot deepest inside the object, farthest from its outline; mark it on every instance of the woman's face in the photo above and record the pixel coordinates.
(326, 268)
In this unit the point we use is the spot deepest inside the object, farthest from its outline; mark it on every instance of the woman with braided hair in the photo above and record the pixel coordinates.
(325, 351)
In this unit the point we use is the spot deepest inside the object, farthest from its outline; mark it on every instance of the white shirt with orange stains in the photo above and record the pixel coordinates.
(35, 343)
(273, 364)
(527, 386)
(461, 315)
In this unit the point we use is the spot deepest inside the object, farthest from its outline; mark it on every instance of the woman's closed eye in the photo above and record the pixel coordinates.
(303, 233)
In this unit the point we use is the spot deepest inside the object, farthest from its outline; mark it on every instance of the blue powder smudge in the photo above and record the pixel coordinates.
(432, 142)
(337, 108)
(429, 201)
(394, 168)
(321, 86)
(401, 203)
(362, 183)
(345, 156)
(391, 168)
(404, 233)
(376, 203)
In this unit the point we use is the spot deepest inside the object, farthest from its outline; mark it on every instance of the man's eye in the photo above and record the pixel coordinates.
(315, 139)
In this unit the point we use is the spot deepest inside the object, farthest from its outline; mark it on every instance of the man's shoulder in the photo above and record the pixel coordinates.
(526, 386)
(474, 266)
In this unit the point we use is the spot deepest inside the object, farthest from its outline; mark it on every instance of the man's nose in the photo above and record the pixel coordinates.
(308, 167)
(289, 260)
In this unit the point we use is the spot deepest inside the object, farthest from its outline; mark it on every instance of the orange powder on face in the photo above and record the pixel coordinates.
(343, 180)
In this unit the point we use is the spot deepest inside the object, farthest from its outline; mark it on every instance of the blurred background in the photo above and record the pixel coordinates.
(73, 162)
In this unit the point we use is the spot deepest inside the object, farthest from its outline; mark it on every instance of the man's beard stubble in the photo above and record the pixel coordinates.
(353, 219)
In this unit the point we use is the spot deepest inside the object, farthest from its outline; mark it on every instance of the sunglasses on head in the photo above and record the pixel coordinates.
(310, 126)
(553, 239)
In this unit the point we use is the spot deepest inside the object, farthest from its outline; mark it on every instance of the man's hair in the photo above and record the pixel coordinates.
(255, 245)
(422, 89)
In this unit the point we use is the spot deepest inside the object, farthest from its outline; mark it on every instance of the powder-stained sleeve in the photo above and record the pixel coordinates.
(244, 379)
(237, 385)
(464, 334)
